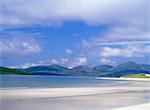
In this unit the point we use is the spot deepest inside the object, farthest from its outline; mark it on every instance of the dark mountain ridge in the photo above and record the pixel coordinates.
(128, 68)
(47, 70)
(101, 70)
(83, 70)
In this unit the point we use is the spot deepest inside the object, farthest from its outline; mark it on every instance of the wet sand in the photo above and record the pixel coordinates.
(91, 98)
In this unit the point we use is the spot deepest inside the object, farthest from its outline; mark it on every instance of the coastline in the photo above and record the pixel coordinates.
(125, 79)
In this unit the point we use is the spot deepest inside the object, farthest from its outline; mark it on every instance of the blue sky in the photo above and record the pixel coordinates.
(74, 32)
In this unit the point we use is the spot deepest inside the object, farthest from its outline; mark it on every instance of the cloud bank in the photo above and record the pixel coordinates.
(127, 36)
(16, 47)
(92, 12)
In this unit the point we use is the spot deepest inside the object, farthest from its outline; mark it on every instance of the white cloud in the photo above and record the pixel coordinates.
(53, 12)
(145, 50)
(26, 65)
(81, 60)
(107, 61)
(14, 47)
(128, 51)
(125, 34)
(69, 51)
(128, 19)
(69, 62)
(123, 43)
(119, 36)
(54, 61)
(107, 52)
(77, 62)
(118, 42)
(62, 61)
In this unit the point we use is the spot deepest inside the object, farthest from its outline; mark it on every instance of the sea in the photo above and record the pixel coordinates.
(43, 81)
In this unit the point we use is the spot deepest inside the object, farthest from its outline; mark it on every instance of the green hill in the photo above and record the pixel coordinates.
(4, 70)
(136, 76)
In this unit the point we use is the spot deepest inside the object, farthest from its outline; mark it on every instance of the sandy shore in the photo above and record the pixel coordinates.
(123, 97)
(64, 92)
(136, 107)
(126, 79)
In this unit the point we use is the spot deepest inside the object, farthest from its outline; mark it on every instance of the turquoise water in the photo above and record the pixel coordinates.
(52, 81)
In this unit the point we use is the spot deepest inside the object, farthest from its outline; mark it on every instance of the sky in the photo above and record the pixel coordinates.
(74, 32)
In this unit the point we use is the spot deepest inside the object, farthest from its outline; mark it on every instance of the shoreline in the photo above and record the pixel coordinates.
(124, 79)
(37, 92)
(131, 95)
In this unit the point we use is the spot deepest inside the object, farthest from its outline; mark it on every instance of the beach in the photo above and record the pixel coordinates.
(118, 97)
(75, 55)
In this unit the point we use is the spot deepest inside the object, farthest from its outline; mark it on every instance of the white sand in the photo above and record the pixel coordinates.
(125, 79)
(136, 107)
(64, 92)
(122, 97)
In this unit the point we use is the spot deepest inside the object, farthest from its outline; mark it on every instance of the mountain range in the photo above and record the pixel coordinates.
(101, 70)
(83, 70)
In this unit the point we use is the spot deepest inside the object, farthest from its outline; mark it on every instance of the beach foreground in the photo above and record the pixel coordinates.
(123, 97)
(136, 107)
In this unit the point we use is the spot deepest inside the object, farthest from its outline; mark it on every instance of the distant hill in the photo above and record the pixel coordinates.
(80, 71)
(4, 70)
(83, 70)
(146, 67)
(128, 68)
(47, 70)
(101, 70)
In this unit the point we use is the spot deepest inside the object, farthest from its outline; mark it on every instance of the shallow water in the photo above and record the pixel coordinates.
(53, 81)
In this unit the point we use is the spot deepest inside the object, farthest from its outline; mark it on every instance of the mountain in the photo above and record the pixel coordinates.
(127, 68)
(101, 69)
(146, 67)
(80, 71)
(4, 70)
(47, 70)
